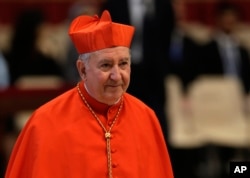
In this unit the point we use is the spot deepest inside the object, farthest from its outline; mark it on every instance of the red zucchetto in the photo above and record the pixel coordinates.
(93, 33)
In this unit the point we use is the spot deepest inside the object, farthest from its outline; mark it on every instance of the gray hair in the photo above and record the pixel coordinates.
(84, 57)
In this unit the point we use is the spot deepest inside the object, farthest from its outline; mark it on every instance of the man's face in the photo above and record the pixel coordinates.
(107, 74)
(228, 21)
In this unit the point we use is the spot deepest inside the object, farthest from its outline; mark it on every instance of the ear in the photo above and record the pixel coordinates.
(81, 69)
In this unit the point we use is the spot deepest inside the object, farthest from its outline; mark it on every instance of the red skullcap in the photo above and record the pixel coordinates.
(93, 33)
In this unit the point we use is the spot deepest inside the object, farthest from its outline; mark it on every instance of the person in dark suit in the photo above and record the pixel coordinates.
(182, 63)
(153, 21)
(24, 57)
(4, 73)
(184, 50)
(225, 56)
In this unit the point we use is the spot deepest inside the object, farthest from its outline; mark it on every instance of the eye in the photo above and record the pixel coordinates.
(123, 64)
(105, 66)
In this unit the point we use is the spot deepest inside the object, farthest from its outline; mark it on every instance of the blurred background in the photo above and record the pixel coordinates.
(190, 63)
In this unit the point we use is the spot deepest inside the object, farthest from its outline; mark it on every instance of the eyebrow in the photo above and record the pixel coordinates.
(104, 60)
(108, 60)
(126, 58)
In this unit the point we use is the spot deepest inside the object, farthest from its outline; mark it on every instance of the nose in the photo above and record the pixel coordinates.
(115, 73)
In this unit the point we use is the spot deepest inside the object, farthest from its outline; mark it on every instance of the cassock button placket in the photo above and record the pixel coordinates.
(110, 115)
(107, 132)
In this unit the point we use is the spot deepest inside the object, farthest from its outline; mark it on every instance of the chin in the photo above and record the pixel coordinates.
(113, 98)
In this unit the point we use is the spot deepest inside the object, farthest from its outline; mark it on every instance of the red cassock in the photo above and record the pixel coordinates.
(63, 139)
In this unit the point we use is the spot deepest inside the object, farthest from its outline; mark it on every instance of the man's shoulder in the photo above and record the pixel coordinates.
(54, 110)
(135, 102)
(63, 99)
(131, 98)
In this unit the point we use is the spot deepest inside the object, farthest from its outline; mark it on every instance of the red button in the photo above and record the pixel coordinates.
(110, 123)
(114, 165)
(113, 150)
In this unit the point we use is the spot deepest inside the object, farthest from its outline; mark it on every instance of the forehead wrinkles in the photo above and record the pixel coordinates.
(120, 53)
(113, 51)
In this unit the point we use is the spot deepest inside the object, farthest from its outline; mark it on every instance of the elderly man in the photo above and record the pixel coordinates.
(95, 130)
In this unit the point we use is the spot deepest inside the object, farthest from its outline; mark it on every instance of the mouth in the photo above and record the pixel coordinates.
(113, 86)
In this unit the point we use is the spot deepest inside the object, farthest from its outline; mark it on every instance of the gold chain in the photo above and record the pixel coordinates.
(107, 132)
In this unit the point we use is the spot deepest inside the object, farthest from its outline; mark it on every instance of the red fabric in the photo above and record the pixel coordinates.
(62, 139)
(93, 33)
